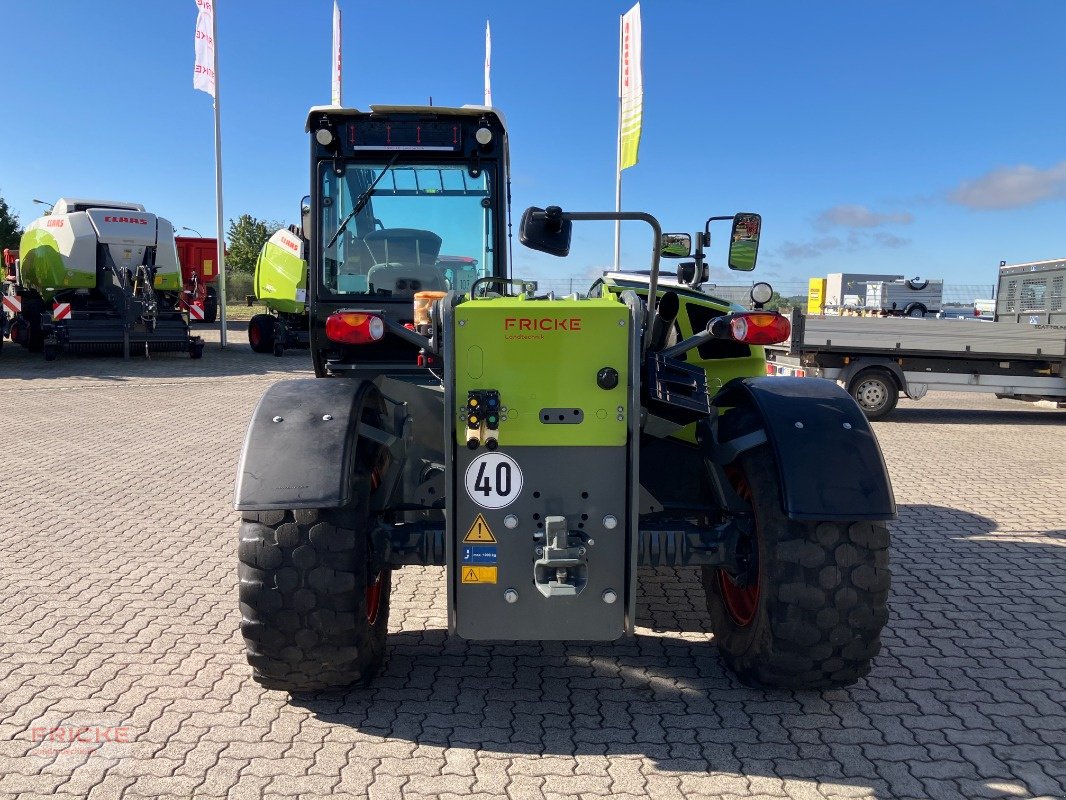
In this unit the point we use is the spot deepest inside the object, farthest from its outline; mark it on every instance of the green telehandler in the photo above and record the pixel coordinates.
(539, 448)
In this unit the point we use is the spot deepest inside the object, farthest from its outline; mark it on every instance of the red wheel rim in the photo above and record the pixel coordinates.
(741, 602)
(254, 336)
(373, 590)
(373, 598)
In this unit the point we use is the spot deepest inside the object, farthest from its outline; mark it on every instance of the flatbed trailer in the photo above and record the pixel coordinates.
(877, 359)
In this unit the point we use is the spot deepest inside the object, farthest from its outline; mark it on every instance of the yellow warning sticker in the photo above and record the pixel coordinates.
(479, 574)
(481, 533)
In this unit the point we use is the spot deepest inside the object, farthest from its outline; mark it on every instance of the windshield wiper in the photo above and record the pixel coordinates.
(360, 203)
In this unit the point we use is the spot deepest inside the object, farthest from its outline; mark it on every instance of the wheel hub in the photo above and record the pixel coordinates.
(871, 394)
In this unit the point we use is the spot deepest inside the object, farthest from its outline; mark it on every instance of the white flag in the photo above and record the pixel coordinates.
(631, 86)
(336, 54)
(488, 64)
(203, 75)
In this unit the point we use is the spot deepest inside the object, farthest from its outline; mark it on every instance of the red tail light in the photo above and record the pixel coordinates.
(770, 369)
(352, 327)
(759, 327)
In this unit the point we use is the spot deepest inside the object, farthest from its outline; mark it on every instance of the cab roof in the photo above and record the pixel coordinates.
(467, 110)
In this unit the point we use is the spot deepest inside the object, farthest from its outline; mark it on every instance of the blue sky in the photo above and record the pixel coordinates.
(919, 137)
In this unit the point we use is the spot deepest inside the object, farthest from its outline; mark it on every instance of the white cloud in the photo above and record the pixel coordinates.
(1012, 187)
(853, 216)
(855, 241)
(812, 249)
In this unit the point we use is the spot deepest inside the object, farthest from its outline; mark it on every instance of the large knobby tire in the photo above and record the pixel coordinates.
(876, 392)
(261, 333)
(312, 616)
(813, 617)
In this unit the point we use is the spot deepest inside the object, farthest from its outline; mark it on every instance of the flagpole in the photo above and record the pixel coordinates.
(488, 65)
(221, 242)
(337, 93)
(618, 158)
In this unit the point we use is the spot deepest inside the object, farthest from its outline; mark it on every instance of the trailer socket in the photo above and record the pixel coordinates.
(473, 443)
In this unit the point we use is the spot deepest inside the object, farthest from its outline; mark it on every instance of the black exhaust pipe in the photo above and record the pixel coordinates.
(665, 314)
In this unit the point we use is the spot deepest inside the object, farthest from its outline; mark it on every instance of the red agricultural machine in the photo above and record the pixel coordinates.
(199, 270)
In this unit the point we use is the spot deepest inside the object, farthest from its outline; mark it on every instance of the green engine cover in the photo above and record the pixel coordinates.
(281, 273)
(44, 269)
(543, 357)
(735, 361)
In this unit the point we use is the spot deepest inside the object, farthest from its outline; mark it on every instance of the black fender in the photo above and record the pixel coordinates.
(300, 448)
(828, 459)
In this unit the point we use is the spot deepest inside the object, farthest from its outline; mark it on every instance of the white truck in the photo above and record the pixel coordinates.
(905, 297)
(1019, 355)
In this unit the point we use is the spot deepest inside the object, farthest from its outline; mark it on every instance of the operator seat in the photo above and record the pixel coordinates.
(404, 260)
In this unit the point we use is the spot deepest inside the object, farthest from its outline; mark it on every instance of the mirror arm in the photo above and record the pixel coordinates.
(657, 231)
(707, 225)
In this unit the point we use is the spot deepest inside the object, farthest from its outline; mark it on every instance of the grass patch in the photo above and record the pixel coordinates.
(242, 312)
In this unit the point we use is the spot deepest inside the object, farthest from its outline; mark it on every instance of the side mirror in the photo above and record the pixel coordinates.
(545, 230)
(305, 214)
(744, 241)
(675, 245)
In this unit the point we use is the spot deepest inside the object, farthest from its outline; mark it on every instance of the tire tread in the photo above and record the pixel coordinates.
(295, 584)
(824, 597)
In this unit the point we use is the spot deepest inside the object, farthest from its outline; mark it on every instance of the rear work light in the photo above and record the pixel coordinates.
(352, 327)
(759, 327)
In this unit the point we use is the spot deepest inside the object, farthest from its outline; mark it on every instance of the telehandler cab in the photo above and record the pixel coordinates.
(541, 449)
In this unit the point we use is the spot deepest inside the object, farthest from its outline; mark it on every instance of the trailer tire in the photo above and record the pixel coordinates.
(875, 390)
(916, 310)
(814, 616)
(261, 333)
(312, 616)
(211, 305)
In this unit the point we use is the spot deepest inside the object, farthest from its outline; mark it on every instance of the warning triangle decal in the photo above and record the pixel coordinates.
(480, 532)
(470, 576)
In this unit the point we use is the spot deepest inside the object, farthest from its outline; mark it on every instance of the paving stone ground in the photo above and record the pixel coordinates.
(118, 614)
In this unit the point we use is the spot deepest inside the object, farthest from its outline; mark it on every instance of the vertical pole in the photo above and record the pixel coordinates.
(218, 184)
(618, 158)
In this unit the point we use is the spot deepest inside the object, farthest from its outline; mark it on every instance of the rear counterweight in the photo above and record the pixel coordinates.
(540, 528)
